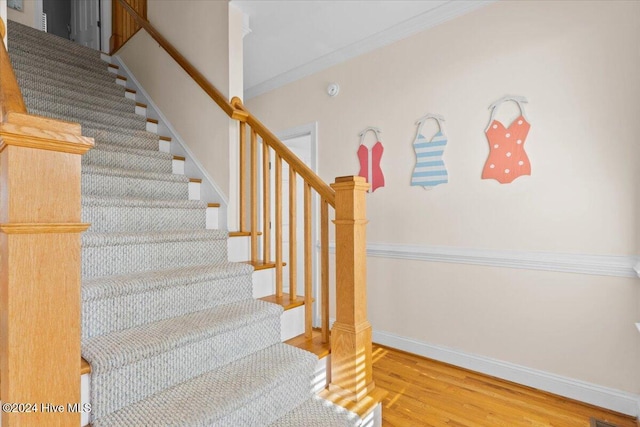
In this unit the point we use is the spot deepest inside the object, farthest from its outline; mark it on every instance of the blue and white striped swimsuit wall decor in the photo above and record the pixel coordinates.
(430, 169)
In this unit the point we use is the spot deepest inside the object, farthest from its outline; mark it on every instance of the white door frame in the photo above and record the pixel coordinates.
(105, 21)
(311, 130)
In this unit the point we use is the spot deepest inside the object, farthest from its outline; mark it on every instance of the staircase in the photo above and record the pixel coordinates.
(169, 326)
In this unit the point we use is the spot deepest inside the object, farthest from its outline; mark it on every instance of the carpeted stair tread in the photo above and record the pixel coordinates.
(114, 303)
(138, 140)
(113, 214)
(127, 173)
(33, 55)
(114, 286)
(88, 118)
(108, 155)
(114, 350)
(131, 238)
(88, 200)
(82, 108)
(142, 152)
(85, 67)
(31, 74)
(317, 412)
(19, 32)
(246, 393)
(113, 105)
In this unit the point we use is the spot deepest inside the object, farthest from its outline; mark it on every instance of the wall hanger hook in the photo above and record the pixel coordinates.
(375, 130)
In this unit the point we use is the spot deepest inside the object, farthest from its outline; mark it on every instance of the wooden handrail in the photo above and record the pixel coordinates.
(11, 100)
(196, 75)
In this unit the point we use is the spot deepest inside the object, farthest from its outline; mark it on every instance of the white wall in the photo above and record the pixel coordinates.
(201, 33)
(26, 16)
(578, 64)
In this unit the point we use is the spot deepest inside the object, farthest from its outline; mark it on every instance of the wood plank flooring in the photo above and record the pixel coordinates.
(423, 392)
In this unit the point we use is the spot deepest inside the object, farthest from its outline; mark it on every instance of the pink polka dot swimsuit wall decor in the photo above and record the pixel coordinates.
(507, 157)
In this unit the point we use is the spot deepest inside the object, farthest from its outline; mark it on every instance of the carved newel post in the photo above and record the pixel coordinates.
(351, 361)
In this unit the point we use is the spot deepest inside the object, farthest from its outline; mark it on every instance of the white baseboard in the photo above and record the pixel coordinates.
(604, 397)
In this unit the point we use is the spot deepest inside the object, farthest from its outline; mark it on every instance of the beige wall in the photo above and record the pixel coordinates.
(25, 16)
(199, 121)
(578, 64)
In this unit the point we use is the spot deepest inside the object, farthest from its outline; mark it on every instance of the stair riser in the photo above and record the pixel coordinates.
(128, 311)
(125, 259)
(114, 186)
(124, 160)
(133, 218)
(55, 59)
(151, 375)
(138, 140)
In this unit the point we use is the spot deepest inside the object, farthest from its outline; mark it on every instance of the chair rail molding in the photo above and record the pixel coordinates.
(599, 265)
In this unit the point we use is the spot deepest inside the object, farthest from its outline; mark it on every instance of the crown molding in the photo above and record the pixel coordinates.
(424, 21)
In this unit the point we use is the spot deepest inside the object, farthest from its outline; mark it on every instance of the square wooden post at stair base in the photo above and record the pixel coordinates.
(351, 358)
(40, 274)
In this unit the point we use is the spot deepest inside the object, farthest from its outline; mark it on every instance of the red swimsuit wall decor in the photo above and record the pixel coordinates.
(507, 157)
(370, 160)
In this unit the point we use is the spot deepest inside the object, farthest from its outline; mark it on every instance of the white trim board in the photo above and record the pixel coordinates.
(604, 397)
(218, 195)
(599, 265)
(426, 20)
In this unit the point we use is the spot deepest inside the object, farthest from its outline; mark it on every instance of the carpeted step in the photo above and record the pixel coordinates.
(114, 156)
(87, 107)
(111, 182)
(109, 214)
(30, 75)
(116, 303)
(111, 105)
(106, 254)
(19, 32)
(130, 365)
(317, 412)
(253, 391)
(57, 60)
(86, 118)
(142, 140)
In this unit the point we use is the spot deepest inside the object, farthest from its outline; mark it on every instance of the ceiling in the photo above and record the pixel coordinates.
(291, 39)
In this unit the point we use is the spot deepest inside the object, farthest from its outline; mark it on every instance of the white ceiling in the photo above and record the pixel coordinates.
(291, 39)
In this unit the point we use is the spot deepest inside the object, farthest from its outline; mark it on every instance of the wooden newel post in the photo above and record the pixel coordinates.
(40, 233)
(351, 361)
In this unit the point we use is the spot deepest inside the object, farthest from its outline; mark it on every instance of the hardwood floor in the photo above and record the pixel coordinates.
(423, 392)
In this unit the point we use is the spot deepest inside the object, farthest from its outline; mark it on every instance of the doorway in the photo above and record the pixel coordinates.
(77, 20)
(58, 15)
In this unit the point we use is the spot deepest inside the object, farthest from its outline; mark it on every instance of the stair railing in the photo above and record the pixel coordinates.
(351, 358)
(40, 260)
